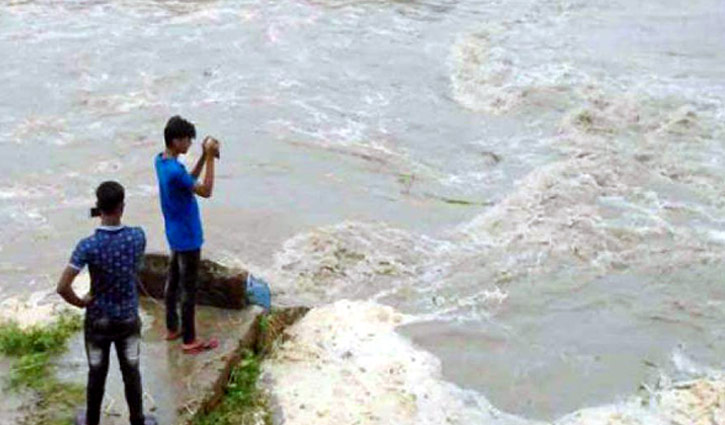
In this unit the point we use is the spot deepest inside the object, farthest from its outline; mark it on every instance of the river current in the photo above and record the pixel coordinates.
(534, 186)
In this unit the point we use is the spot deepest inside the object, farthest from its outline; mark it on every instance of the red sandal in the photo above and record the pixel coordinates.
(198, 346)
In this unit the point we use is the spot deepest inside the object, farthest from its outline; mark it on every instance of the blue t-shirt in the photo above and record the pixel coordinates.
(178, 204)
(113, 255)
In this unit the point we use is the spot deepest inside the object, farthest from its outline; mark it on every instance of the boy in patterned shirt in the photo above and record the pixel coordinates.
(113, 254)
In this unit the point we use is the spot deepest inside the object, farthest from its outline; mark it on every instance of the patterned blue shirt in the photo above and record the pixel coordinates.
(113, 255)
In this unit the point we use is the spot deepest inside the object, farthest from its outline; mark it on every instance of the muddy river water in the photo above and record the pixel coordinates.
(536, 185)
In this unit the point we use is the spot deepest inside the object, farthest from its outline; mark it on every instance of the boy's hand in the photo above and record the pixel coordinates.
(211, 146)
(216, 145)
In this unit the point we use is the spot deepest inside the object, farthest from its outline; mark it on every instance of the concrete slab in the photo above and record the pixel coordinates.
(176, 385)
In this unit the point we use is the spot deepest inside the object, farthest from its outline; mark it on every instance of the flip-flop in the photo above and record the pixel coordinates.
(172, 335)
(150, 420)
(200, 346)
(80, 418)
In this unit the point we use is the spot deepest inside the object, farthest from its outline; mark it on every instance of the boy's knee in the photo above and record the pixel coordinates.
(132, 351)
(95, 357)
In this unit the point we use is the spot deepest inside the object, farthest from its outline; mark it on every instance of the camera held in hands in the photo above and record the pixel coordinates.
(215, 143)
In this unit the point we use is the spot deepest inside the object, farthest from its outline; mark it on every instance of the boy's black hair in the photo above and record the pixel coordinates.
(176, 128)
(109, 196)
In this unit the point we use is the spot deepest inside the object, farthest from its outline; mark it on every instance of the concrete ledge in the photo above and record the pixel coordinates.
(177, 386)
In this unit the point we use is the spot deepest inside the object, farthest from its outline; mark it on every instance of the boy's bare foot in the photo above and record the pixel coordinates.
(172, 335)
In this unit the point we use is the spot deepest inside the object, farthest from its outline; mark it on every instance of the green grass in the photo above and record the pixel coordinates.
(50, 339)
(267, 333)
(243, 402)
(264, 324)
(57, 403)
(33, 350)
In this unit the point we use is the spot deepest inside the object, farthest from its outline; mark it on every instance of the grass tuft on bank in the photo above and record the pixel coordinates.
(243, 403)
(16, 341)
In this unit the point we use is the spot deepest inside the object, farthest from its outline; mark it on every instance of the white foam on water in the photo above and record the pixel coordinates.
(486, 77)
(50, 129)
(511, 65)
(322, 264)
(345, 3)
(114, 104)
(553, 210)
(29, 312)
(616, 147)
(696, 402)
(345, 141)
(201, 16)
(685, 364)
(376, 150)
(594, 211)
(19, 192)
(144, 191)
(28, 217)
(717, 236)
(110, 166)
(345, 363)
(549, 50)
(31, 196)
(42, 307)
(598, 208)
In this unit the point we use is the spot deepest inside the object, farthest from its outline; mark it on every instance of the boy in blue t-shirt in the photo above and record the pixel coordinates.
(113, 254)
(178, 189)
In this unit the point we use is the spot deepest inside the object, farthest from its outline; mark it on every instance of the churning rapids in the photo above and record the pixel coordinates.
(504, 212)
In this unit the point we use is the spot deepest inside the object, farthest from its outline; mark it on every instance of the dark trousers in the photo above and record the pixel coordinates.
(183, 273)
(126, 336)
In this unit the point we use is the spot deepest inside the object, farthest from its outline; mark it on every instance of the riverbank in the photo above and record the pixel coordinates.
(44, 381)
(343, 362)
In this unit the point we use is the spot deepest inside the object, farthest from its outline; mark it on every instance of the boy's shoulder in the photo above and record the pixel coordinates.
(170, 168)
(134, 231)
(89, 240)
(85, 247)
(168, 162)
(97, 236)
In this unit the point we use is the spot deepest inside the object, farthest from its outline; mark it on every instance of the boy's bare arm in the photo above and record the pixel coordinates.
(205, 152)
(206, 188)
(196, 171)
(65, 288)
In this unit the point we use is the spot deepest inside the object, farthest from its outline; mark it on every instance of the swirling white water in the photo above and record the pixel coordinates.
(535, 185)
